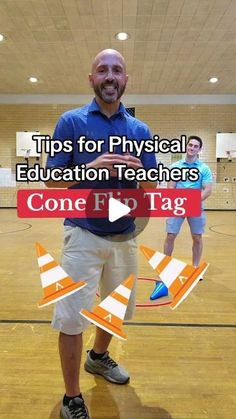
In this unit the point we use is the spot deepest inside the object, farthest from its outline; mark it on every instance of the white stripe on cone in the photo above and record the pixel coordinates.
(114, 306)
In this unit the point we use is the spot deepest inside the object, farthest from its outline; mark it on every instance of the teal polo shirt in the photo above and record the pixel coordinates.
(205, 175)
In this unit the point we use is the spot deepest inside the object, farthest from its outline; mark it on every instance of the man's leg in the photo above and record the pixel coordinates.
(173, 226)
(197, 226)
(169, 243)
(70, 348)
(121, 262)
(197, 249)
(102, 341)
(160, 290)
(81, 261)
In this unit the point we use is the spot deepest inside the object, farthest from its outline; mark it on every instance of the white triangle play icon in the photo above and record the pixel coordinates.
(117, 210)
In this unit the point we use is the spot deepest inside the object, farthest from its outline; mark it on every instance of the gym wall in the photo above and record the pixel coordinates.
(168, 121)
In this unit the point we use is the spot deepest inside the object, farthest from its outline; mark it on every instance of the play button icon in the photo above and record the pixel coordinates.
(110, 213)
(117, 210)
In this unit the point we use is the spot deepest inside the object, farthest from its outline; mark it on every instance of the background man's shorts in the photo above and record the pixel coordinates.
(196, 224)
(98, 262)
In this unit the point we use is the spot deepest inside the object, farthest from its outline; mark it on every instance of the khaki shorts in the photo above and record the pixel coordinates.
(99, 262)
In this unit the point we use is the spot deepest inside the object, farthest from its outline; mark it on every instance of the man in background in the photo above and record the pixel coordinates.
(196, 224)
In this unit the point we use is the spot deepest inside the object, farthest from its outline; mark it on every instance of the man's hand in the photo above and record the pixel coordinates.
(206, 191)
(108, 160)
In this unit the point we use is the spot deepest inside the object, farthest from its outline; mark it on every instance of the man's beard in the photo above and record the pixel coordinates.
(100, 92)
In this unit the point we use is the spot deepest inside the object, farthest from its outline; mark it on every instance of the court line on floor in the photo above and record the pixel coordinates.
(211, 228)
(28, 226)
(150, 324)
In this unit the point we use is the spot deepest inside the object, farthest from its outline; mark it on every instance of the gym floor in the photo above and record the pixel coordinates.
(181, 362)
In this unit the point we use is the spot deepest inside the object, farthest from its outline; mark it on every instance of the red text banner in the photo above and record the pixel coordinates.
(94, 203)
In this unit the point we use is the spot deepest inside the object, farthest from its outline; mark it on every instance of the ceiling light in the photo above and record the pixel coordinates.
(2, 37)
(33, 79)
(122, 36)
(213, 80)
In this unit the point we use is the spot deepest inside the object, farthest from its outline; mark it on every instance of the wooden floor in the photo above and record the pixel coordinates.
(182, 363)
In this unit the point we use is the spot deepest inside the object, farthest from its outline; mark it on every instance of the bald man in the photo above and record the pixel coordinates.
(98, 252)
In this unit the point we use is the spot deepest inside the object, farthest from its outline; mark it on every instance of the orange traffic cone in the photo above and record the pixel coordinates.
(110, 313)
(177, 276)
(55, 281)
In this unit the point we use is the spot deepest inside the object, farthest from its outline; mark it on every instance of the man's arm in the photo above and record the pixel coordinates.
(60, 184)
(106, 160)
(171, 185)
(148, 185)
(206, 191)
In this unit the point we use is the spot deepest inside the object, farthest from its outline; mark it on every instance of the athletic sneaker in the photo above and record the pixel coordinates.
(106, 367)
(75, 410)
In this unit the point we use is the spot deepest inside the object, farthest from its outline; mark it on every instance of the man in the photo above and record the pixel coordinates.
(88, 254)
(196, 224)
